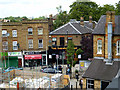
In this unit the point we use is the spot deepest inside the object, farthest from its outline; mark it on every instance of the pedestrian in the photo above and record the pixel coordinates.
(81, 83)
(77, 76)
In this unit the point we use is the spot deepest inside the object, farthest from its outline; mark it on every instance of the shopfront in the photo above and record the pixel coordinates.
(33, 60)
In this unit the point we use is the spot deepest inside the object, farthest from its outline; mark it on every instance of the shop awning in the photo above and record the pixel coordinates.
(39, 56)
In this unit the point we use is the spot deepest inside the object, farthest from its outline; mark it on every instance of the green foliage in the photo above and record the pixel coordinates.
(86, 9)
(78, 51)
(70, 53)
(61, 19)
(118, 8)
(40, 18)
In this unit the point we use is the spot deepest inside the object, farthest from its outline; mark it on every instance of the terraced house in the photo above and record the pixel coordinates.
(106, 42)
(73, 30)
(26, 42)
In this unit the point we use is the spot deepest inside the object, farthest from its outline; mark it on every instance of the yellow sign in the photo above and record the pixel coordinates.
(81, 64)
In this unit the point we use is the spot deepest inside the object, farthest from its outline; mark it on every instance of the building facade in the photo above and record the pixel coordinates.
(106, 53)
(74, 31)
(26, 40)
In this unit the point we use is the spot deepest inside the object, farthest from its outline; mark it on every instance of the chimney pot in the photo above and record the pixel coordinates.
(81, 21)
(90, 19)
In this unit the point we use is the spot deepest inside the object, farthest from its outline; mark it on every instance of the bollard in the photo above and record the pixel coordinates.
(71, 87)
(76, 85)
(17, 85)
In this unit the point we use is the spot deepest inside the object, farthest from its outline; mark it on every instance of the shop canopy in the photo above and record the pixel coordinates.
(39, 56)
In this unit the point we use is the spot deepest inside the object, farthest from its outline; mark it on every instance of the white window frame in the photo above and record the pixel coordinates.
(30, 30)
(5, 45)
(89, 83)
(14, 33)
(30, 41)
(15, 47)
(54, 41)
(118, 47)
(40, 31)
(99, 47)
(40, 45)
(4, 33)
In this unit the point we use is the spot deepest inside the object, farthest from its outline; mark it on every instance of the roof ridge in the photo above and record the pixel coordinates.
(59, 28)
(75, 28)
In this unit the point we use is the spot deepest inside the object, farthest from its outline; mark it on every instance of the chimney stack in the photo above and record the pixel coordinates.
(82, 21)
(90, 19)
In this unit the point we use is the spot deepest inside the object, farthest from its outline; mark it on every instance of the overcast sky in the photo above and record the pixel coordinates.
(36, 8)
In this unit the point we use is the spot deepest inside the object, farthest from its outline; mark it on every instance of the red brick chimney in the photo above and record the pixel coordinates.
(82, 21)
(90, 19)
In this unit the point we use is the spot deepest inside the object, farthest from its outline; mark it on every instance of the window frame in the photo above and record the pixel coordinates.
(40, 29)
(4, 35)
(40, 43)
(30, 46)
(118, 47)
(3, 45)
(13, 33)
(30, 30)
(15, 45)
(90, 83)
(99, 46)
(54, 42)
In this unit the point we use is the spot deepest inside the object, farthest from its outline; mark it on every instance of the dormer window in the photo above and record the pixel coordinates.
(99, 47)
(30, 31)
(118, 47)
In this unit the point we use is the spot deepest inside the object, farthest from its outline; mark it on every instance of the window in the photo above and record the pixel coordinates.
(40, 43)
(4, 33)
(99, 47)
(40, 31)
(5, 45)
(30, 43)
(118, 47)
(90, 84)
(61, 41)
(54, 41)
(69, 38)
(14, 33)
(30, 31)
(15, 45)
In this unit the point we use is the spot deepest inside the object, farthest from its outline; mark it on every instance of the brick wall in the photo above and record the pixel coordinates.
(22, 34)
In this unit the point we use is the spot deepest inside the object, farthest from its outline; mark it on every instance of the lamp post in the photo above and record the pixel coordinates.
(8, 48)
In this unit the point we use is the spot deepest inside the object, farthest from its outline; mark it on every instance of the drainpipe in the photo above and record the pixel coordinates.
(109, 42)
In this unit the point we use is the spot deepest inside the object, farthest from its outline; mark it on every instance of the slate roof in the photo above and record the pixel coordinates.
(100, 27)
(72, 28)
(100, 71)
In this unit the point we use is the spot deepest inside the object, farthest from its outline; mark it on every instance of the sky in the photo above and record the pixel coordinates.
(36, 8)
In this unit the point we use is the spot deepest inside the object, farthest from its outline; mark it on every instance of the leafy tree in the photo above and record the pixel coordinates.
(87, 47)
(70, 53)
(40, 18)
(118, 8)
(83, 9)
(61, 19)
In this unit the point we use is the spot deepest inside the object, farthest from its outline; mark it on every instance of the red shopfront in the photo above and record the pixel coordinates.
(33, 60)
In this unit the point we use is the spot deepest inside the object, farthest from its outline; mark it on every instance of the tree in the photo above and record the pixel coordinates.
(70, 53)
(84, 9)
(78, 51)
(61, 19)
(87, 47)
(118, 8)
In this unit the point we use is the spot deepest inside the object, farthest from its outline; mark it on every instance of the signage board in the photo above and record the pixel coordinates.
(33, 56)
(14, 54)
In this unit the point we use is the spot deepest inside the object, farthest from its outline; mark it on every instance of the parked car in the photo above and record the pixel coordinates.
(51, 70)
(11, 68)
(44, 68)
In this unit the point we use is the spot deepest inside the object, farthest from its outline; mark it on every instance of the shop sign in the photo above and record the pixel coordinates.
(33, 56)
(14, 54)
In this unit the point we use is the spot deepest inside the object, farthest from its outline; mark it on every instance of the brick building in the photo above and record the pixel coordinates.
(73, 30)
(24, 41)
(106, 52)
